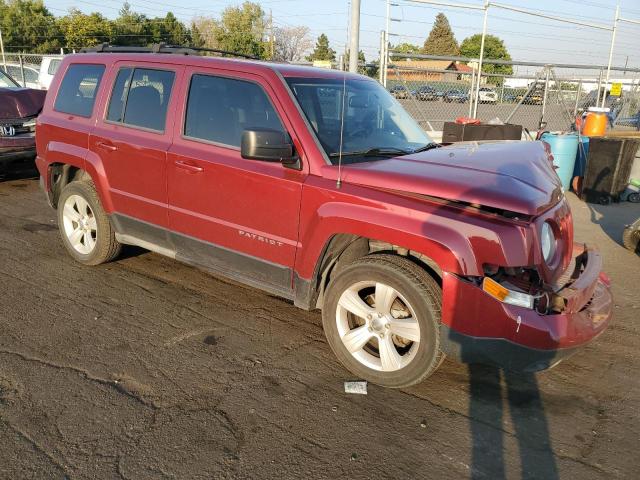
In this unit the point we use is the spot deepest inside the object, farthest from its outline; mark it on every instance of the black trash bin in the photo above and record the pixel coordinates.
(608, 168)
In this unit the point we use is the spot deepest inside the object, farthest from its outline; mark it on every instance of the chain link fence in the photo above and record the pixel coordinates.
(25, 68)
(534, 96)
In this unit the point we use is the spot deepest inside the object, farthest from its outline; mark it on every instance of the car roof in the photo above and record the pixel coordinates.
(251, 66)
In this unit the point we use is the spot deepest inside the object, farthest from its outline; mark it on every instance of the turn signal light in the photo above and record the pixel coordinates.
(505, 295)
(494, 289)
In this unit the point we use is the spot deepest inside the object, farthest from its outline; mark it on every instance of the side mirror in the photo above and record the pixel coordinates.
(267, 145)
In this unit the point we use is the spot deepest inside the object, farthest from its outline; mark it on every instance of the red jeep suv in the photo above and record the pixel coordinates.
(316, 186)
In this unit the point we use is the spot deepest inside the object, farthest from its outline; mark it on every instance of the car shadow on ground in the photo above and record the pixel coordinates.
(18, 171)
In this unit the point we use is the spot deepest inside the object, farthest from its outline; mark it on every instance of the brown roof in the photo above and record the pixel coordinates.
(463, 68)
(427, 64)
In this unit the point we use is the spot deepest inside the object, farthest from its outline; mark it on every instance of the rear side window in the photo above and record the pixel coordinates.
(140, 97)
(77, 92)
(219, 109)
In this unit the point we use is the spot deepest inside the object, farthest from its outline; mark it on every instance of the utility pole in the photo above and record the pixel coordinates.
(354, 40)
(271, 37)
(4, 60)
(484, 35)
(613, 42)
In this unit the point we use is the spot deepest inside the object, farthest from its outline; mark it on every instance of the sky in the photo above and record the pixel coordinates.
(527, 38)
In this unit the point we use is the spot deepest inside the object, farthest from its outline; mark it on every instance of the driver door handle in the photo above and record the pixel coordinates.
(107, 146)
(189, 167)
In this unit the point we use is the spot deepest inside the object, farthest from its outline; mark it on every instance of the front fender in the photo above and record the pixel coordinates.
(459, 242)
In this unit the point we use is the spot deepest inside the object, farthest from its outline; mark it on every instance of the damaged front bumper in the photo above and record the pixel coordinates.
(477, 328)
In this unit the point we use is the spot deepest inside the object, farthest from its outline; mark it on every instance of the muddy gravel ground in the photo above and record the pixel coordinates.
(146, 368)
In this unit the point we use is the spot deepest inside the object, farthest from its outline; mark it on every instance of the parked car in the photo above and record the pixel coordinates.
(48, 68)
(458, 96)
(411, 250)
(426, 93)
(16, 71)
(18, 110)
(487, 95)
(399, 91)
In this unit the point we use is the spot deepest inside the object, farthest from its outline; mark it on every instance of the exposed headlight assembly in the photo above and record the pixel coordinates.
(548, 242)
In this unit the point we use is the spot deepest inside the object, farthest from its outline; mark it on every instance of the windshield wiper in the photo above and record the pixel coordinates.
(373, 152)
(426, 147)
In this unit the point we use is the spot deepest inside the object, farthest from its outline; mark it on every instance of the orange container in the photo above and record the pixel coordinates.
(595, 125)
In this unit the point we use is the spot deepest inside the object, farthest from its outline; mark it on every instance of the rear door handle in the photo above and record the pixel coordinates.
(189, 167)
(107, 146)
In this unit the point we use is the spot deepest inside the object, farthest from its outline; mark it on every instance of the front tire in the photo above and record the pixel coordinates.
(85, 228)
(381, 316)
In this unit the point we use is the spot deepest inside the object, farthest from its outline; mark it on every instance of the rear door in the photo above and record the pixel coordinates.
(132, 138)
(236, 216)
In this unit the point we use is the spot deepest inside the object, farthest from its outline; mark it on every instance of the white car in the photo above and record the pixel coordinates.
(487, 95)
(48, 69)
(30, 74)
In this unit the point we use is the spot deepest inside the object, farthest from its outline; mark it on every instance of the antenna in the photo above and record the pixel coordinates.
(344, 96)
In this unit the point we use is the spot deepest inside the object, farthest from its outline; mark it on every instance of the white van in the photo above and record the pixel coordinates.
(48, 68)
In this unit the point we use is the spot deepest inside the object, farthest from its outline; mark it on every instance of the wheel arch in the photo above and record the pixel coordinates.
(340, 250)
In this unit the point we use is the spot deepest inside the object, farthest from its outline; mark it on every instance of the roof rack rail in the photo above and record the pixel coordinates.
(162, 48)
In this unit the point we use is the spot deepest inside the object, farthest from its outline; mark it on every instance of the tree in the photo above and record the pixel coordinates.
(291, 43)
(82, 30)
(169, 30)
(441, 40)
(494, 49)
(28, 26)
(322, 51)
(241, 30)
(130, 28)
(202, 32)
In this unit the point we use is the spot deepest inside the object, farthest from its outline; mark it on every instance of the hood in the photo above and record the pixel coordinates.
(512, 175)
(20, 102)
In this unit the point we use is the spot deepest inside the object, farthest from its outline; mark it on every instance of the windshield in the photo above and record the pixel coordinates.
(6, 81)
(374, 122)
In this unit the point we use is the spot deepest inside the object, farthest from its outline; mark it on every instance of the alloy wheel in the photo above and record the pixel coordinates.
(378, 326)
(80, 225)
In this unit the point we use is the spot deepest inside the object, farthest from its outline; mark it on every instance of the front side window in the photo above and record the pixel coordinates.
(140, 97)
(219, 109)
(77, 92)
(373, 120)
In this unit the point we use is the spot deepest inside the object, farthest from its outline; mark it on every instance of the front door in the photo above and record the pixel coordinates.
(132, 138)
(236, 216)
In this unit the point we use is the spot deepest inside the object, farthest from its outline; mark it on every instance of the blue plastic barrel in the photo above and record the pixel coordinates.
(581, 157)
(564, 147)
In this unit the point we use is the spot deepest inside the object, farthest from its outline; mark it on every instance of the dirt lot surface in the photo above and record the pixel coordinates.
(146, 368)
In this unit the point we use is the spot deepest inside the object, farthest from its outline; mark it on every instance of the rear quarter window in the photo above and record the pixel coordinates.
(77, 92)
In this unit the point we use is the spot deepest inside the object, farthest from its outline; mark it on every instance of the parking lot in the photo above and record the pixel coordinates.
(146, 368)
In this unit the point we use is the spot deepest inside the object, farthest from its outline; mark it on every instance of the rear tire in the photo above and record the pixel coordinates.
(85, 228)
(393, 339)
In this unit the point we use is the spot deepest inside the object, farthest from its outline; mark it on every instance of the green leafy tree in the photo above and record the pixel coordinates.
(322, 51)
(406, 48)
(82, 30)
(441, 40)
(494, 49)
(241, 30)
(168, 30)
(131, 28)
(28, 26)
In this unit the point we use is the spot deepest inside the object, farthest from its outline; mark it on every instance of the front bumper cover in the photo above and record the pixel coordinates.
(476, 328)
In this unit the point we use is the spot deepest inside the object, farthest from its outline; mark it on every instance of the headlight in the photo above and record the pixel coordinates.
(548, 242)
